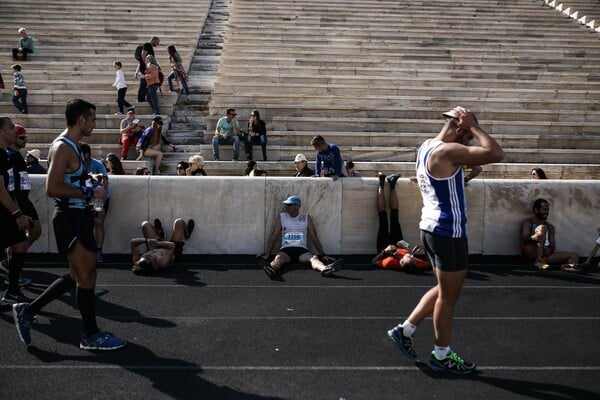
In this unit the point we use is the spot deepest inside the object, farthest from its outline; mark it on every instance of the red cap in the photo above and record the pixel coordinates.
(20, 130)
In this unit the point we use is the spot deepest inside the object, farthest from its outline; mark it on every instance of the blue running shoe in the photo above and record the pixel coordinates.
(404, 343)
(23, 281)
(101, 341)
(451, 363)
(23, 320)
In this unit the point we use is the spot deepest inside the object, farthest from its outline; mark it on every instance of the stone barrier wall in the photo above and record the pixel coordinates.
(233, 214)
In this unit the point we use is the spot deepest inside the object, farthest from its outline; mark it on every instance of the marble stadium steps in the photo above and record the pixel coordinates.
(324, 125)
(103, 106)
(57, 121)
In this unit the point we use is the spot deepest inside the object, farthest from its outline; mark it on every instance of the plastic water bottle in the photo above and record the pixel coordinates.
(97, 204)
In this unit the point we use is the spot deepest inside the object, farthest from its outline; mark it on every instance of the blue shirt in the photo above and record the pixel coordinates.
(96, 167)
(332, 161)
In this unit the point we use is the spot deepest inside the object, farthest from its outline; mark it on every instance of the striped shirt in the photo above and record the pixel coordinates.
(444, 210)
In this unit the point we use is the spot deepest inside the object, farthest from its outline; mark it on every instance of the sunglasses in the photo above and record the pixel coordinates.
(22, 137)
(180, 168)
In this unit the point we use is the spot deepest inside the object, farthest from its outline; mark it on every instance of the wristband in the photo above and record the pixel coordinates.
(17, 213)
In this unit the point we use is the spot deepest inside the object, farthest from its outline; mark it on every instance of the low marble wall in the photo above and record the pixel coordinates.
(233, 215)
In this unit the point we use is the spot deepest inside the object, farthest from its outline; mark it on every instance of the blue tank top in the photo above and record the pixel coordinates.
(444, 211)
(76, 179)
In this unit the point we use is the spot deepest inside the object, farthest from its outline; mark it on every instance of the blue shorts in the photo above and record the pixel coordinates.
(446, 253)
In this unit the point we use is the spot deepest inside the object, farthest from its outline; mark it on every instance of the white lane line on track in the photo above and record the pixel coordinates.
(326, 318)
(192, 285)
(290, 368)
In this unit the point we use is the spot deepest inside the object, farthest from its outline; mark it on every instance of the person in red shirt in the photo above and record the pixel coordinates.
(393, 256)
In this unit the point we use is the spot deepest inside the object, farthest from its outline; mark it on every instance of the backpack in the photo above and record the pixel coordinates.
(138, 52)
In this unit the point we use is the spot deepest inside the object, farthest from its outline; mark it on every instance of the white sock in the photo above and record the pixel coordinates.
(408, 328)
(441, 351)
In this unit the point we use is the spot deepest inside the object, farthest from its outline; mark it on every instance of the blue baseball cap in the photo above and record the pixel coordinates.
(293, 200)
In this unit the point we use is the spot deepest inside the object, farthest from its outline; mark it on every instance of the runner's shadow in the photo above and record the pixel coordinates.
(177, 379)
(530, 389)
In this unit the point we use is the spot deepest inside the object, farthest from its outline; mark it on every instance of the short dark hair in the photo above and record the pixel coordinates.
(349, 164)
(16, 66)
(4, 122)
(538, 203)
(85, 148)
(317, 140)
(118, 64)
(540, 173)
(230, 111)
(78, 108)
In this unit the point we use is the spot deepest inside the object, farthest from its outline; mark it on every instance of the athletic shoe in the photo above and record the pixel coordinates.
(542, 264)
(4, 266)
(331, 268)
(404, 343)
(260, 261)
(101, 341)
(159, 228)
(571, 268)
(23, 320)
(99, 256)
(269, 271)
(15, 297)
(23, 281)
(189, 228)
(392, 179)
(381, 177)
(451, 363)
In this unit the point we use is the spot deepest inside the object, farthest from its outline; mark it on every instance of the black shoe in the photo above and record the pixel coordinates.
(331, 268)
(159, 228)
(392, 179)
(269, 271)
(189, 228)
(15, 298)
(260, 261)
(381, 177)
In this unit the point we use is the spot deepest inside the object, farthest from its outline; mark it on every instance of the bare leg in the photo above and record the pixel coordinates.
(99, 228)
(149, 231)
(178, 230)
(279, 261)
(424, 307)
(313, 260)
(449, 284)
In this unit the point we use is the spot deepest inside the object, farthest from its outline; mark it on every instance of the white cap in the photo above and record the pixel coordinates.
(300, 157)
(35, 153)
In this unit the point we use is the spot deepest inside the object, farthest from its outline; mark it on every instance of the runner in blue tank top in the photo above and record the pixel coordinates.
(443, 231)
(73, 222)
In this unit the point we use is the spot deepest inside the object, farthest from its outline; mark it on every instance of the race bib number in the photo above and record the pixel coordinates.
(24, 181)
(11, 180)
(294, 238)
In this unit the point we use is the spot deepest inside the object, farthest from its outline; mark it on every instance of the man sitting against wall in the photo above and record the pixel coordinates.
(538, 241)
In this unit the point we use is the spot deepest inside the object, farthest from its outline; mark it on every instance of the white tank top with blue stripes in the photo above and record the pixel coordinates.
(444, 210)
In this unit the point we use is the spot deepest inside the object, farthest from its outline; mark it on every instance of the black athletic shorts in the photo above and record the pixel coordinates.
(10, 234)
(446, 253)
(74, 225)
(294, 253)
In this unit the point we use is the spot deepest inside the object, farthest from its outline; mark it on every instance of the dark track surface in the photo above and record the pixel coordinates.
(218, 328)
